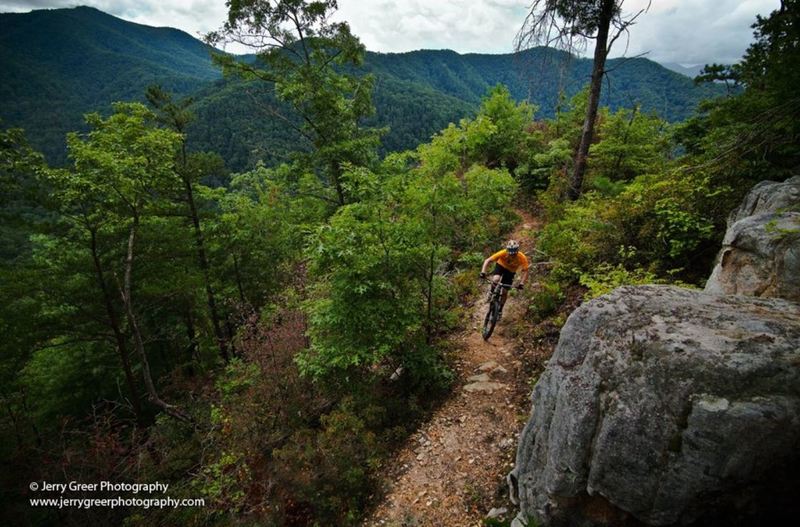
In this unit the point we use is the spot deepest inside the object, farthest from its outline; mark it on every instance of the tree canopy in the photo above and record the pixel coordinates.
(298, 50)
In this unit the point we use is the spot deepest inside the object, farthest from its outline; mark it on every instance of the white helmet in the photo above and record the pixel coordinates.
(512, 246)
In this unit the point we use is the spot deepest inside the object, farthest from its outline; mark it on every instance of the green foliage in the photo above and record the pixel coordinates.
(582, 237)
(382, 294)
(299, 49)
(664, 222)
(604, 278)
(552, 150)
(751, 135)
(256, 221)
(547, 300)
(330, 468)
(644, 210)
(632, 144)
(119, 165)
(21, 216)
(67, 375)
(508, 143)
(367, 306)
(60, 64)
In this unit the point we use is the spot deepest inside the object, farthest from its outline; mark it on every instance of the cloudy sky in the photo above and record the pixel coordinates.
(683, 31)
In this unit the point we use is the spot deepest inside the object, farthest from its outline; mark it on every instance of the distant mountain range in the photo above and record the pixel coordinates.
(59, 64)
(689, 71)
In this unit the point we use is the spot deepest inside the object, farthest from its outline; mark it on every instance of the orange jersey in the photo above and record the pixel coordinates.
(512, 263)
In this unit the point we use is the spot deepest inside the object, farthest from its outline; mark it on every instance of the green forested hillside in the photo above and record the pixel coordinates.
(63, 63)
(539, 75)
(234, 119)
(59, 64)
(420, 92)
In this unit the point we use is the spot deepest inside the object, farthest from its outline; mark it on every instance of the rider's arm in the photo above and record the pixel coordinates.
(525, 269)
(486, 264)
(492, 258)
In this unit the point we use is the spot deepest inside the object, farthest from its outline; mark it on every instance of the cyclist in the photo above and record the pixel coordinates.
(507, 262)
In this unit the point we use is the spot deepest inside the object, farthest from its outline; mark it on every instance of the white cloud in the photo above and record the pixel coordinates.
(195, 16)
(463, 25)
(686, 31)
(695, 31)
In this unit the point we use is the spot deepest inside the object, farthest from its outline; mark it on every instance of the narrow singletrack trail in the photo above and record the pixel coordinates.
(451, 471)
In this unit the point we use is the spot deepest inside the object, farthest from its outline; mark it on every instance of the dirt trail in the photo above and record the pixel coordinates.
(452, 470)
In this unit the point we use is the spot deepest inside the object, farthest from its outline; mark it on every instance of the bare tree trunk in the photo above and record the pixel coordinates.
(191, 334)
(27, 411)
(202, 260)
(116, 328)
(14, 421)
(429, 315)
(238, 275)
(125, 292)
(598, 69)
(336, 177)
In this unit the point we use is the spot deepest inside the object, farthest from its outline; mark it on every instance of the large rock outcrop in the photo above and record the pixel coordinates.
(760, 253)
(665, 406)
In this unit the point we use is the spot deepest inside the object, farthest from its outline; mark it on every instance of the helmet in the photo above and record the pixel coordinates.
(512, 246)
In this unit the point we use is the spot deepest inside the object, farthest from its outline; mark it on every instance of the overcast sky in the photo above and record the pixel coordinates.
(683, 31)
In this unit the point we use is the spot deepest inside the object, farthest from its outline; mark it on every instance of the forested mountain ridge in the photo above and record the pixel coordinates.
(63, 63)
(59, 64)
(539, 74)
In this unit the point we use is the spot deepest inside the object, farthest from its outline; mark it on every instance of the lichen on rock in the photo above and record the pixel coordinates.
(660, 406)
(760, 253)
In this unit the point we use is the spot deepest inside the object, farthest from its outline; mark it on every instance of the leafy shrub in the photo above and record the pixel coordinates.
(329, 469)
(584, 236)
(604, 278)
(547, 300)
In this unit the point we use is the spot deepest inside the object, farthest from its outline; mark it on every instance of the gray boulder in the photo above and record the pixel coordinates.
(760, 253)
(664, 406)
(768, 197)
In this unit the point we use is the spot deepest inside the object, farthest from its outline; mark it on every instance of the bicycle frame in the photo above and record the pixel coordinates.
(494, 307)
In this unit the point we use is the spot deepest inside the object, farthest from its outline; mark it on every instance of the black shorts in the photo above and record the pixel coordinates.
(506, 276)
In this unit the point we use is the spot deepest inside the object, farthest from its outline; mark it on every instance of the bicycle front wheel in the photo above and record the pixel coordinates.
(490, 320)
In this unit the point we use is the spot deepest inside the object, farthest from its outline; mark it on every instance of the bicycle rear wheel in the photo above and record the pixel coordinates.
(490, 320)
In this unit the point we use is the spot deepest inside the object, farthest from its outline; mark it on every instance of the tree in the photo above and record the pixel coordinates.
(305, 55)
(719, 73)
(120, 169)
(630, 144)
(505, 146)
(176, 115)
(568, 25)
(753, 135)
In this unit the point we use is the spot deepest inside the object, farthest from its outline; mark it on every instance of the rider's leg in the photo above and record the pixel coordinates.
(495, 281)
(508, 280)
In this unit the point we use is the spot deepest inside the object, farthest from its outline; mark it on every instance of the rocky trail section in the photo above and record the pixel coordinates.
(452, 470)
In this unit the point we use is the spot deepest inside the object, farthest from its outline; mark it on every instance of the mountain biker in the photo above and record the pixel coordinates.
(507, 262)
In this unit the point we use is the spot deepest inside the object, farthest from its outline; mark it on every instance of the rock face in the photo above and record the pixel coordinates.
(761, 250)
(664, 406)
(768, 197)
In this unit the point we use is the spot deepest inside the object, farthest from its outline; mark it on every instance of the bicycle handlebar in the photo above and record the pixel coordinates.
(505, 286)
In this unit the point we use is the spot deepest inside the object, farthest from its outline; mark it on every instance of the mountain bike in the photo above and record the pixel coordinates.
(493, 313)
